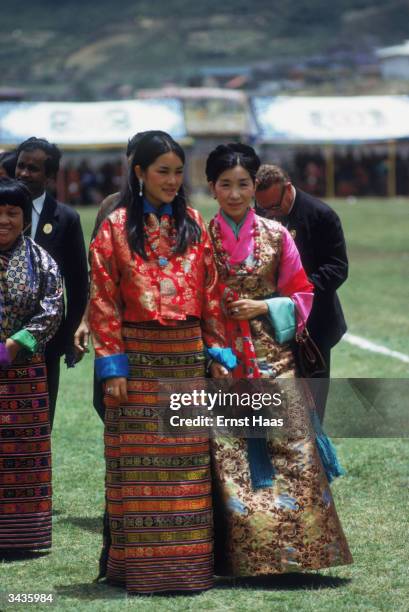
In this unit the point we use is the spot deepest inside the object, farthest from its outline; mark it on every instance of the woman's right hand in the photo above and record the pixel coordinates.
(116, 388)
(12, 348)
(217, 370)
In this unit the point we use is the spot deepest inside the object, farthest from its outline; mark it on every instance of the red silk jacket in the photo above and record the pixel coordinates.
(167, 287)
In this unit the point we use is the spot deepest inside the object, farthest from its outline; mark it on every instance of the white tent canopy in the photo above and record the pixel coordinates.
(357, 119)
(282, 119)
(89, 123)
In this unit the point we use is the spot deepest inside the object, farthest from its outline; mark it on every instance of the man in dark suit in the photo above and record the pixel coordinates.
(81, 337)
(57, 228)
(319, 237)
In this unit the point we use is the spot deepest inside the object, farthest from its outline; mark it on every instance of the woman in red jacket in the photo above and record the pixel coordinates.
(153, 308)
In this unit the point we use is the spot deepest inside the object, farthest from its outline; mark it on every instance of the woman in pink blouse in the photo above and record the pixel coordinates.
(274, 510)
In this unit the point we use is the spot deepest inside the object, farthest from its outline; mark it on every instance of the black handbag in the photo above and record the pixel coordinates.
(308, 356)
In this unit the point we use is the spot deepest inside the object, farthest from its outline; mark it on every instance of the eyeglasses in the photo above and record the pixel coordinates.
(265, 208)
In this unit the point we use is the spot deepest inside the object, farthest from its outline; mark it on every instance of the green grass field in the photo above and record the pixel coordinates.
(372, 499)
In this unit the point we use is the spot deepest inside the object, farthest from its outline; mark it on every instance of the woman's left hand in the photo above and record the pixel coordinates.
(217, 370)
(243, 310)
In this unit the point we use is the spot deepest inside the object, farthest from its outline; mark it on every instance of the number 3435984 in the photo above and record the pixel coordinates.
(30, 597)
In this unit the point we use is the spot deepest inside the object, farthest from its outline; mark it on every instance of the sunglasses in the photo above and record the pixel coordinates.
(265, 208)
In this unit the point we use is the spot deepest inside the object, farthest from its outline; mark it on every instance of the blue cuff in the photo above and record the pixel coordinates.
(261, 469)
(112, 366)
(281, 311)
(225, 356)
(326, 450)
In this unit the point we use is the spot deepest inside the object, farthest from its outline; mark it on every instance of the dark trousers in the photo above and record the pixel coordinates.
(53, 379)
(98, 398)
(319, 385)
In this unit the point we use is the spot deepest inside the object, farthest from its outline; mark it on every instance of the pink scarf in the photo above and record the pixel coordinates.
(238, 332)
(238, 249)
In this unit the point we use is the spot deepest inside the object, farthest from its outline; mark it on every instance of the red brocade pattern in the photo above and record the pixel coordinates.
(167, 287)
(25, 457)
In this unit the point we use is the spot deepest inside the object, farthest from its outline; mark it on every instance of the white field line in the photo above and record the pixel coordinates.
(367, 345)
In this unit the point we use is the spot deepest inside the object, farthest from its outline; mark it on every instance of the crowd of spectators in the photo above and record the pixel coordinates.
(354, 175)
(89, 181)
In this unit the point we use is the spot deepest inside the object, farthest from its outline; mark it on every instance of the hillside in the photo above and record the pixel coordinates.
(83, 50)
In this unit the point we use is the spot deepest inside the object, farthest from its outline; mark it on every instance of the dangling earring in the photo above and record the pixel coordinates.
(140, 188)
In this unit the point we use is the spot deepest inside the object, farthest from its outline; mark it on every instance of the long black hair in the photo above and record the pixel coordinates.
(15, 193)
(8, 161)
(225, 157)
(148, 146)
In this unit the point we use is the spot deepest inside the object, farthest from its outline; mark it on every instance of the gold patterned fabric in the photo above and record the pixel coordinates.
(291, 525)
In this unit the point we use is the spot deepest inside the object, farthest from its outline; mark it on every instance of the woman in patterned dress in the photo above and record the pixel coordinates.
(274, 510)
(153, 307)
(30, 312)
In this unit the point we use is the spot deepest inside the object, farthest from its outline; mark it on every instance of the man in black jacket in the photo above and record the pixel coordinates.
(319, 237)
(57, 228)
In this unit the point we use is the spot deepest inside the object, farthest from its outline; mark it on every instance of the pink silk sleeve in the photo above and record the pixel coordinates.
(293, 281)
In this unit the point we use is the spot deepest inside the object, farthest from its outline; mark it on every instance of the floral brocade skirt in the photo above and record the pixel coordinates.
(158, 487)
(291, 525)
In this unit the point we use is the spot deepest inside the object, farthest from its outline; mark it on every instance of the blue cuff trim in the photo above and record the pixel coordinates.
(327, 452)
(225, 356)
(261, 470)
(112, 366)
(282, 315)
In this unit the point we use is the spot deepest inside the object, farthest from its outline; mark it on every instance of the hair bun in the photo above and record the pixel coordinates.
(240, 147)
(226, 156)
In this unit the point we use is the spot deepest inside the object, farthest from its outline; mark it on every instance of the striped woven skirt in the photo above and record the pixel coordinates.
(158, 487)
(25, 457)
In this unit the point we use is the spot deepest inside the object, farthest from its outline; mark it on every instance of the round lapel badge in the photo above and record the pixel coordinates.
(48, 228)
